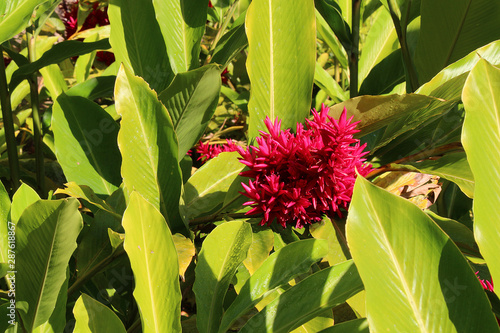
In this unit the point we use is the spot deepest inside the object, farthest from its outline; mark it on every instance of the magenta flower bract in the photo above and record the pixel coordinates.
(208, 151)
(487, 285)
(296, 178)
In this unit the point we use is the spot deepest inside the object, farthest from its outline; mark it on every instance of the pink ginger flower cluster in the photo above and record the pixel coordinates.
(487, 285)
(296, 178)
(208, 151)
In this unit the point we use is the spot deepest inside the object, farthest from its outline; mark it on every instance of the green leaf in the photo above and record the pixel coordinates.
(207, 187)
(15, 16)
(356, 325)
(94, 242)
(443, 130)
(316, 324)
(96, 87)
(53, 79)
(480, 137)
(262, 244)
(94, 317)
(453, 166)
(152, 254)
(74, 190)
(23, 197)
(281, 267)
(148, 145)
(463, 26)
(191, 100)
(384, 76)
(449, 82)
(57, 320)
(337, 244)
(375, 112)
(310, 297)
(185, 252)
(230, 45)
(459, 233)
(55, 55)
(222, 252)
(9, 316)
(4, 226)
(85, 140)
(329, 85)
(138, 42)
(380, 42)
(331, 12)
(46, 238)
(416, 279)
(182, 26)
(83, 64)
(281, 84)
(328, 36)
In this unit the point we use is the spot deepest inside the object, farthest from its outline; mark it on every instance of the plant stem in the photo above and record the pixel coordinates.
(411, 75)
(37, 125)
(8, 124)
(96, 269)
(353, 63)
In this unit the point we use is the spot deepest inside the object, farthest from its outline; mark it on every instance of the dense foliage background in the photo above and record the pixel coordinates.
(119, 214)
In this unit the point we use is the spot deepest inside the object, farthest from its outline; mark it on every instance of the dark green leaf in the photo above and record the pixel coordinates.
(449, 30)
(223, 251)
(138, 42)
(318, 292)
(281, 267)
(85, 140)
(55, 55)
(191, 100)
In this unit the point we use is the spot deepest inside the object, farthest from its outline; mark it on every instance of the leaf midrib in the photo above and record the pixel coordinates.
(161, 202)
(39, 299)
(148, 271)
(395, 261)
(457, 35)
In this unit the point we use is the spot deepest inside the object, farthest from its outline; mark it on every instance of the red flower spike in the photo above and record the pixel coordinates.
(208, 151)
(298, 178)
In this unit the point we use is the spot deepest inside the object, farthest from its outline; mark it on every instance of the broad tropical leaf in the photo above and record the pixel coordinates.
(448, 83)
(222, 252)
(318, 292)
(380, 42)
(138, 43)
(151, 250)
(191, 100)
(281, 267)
(463, 26)
(85, 140)
(46, 239)
(480, 137)
(281, 83)
(23, 197)
(59, 52)
(94, 317)
(14, 17)
(207, 188)
(148, 145)
(182, 26)
(416, 279)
